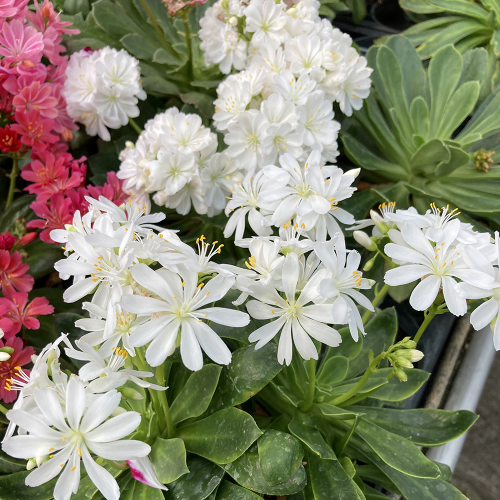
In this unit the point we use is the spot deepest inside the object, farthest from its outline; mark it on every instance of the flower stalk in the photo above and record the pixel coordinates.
(12, 185)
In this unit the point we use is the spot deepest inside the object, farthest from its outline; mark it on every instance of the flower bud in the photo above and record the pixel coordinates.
(400, 374)
(379, 223)
(233, 21)
(416, 355)
(129, 393)
(4, 356)
(67, 135)
(118, 411)
(31, 464)
(364, 240)
(369, 264)
(292, 11)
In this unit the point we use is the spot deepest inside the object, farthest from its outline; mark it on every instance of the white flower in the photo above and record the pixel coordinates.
(385, 216)
(233, 98)
(271, 59)
(304, 54)
(80, 79)
(266, 20)
(191, 193)
(245, 139)
(292, 316)
(68, 437)
(171, 171)
(115, 106)
(180, 308)
(277, 110)
(295, 90)
(88, 114)
(436, 266)
(133, 169)
(281, 139)
(341, 284)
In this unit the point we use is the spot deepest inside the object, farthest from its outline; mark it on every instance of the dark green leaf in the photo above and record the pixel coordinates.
(396, 390)
(280, 456)
(12, 487)
(19, 209)
(42, 257)
(221, 437)
(8, 464)
(195, 396)
(230, 491)
(202, 102)
(333, 371)
(169, 459)
(140, 491)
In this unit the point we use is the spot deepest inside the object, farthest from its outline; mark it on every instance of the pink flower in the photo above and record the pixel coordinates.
(39, 97)
(14, 306)
(50, 176)
(34, 131)
(13, 272)
(7, 241)
(19, 43)
(7, 8)
(112, 190)
(10, 369)
(53, 216)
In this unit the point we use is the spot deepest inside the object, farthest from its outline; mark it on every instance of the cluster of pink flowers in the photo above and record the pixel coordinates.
(15, 310)
(33, 110)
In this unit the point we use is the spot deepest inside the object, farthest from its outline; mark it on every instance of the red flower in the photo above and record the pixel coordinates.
(7, 241)
(14, 306)
(9, 143)
(34, 130)
(13, 272)
(39, 97)
(53, 216)
(10, 369)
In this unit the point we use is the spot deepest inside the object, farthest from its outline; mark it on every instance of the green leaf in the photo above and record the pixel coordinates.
(140, 491)
(169, 459)
(112, 19)
(330, 481)
(358, 8)
(247, 472)
(65, 323)
(195, 396)
(221, 437)
(402, 292)
(419, 115)
(396, 451)
(203, 478)
(159, 85)
(348, 348)
(9, 464)
(395, 390)
(72, 7)
(310, 436)
(422, 426)
(447, 61)
(19, 209)
(249, 371)
(280, 456)
(428, 156)
(13, 487)
(230, 491)
(463, 8)
(139, 46)
(333, 371)
(202, 102)
(42, 257)
(380, 334)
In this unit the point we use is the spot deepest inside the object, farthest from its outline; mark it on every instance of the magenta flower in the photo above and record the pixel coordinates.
(38, 97)
(34, 131)
(13, 273)
(14, 306)
(19, 43)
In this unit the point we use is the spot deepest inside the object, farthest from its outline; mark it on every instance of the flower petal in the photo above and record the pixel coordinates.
(115, 428)
(425, 293)
(405, 274)
(211, 343)
(190, 348)
(102, 407)
(223, 316)
(104, 481)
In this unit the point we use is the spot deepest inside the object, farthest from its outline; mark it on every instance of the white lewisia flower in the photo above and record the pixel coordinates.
(80, 79)
(341, 283)
(281, 139)
(486, 313)
(88, 114)
(190, 194)
(115, 106)
(180, 309)
(272, 60)
(292, 316)
(266, 20)
(187, 134)
(316, 123)
(436, 266)
(247, 198)
(106, 371)
(233, 98)
(171, 171)
(133, 169)
(355, 87)
(277, 110)
(295, 90)
(304, 54)
(68, 438)
(245, 139)
(385, 216)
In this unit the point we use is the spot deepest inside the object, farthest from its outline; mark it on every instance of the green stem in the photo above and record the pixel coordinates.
(388, 259)
(3, 409)
(311, 364)
(429, 316)
(152, 18)
(375, 302)
(154, 395)
(339, 449)
(160, 377)
(12, 185)
(185, 19)
(135, 126)
(364, 379)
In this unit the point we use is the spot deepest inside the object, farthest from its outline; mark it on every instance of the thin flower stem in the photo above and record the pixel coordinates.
(375, 302)
(160, 377)
(388, 259)
(152, 18)
(311, 364)
(3, 409)
(364, 379)
(429, 316)
(135, 126)
(143, 365)
(185, 19)
(339, 449)
(12, 185)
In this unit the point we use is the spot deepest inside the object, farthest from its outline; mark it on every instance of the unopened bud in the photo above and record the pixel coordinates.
(406, 343)
(381, 225)
(67, 135)
(28, 64)
(233, 21)
(400, 374)
(4, 356)
(364, 240)
(416, 355)
(118, 411)
(31, 464)
(8, 350)
(129, 393)
(369, 264)
(292, 11)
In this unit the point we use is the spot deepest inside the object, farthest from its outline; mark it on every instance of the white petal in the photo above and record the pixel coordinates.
(416, 239)
(211, 343)
(405, 254)
(320, 332)
(49, 469)
(285, 345)
(149, 330)
(69, 480)
(75, 402)
(215, 289)
(119, 450)
(223, 316)
(319, 312)
(30, 446)
(49, 405)
(265, 333)
(79, 290)
(259, 310)
(303, 342)
(484, 314)
(115, 428)
(425, 293)
(104, 481)
(143, 305)
(290, 276)
(190, 348)
(456, 304)
(151, 280)
(405, 274)
(142, 470)
(163, 345)
(32, 424)
(100, 410)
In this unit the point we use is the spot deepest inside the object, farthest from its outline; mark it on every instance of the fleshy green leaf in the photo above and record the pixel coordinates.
(195, 396)
(19, 209)
(9, 464)
(169, 459)
(41, 258)
(221, 437)
(247, 472)
(140, 491)
(395, 390)
(203, 478)
(12, 487)
(280, 456)
(423, 426)
(230, 491)
(333, 371)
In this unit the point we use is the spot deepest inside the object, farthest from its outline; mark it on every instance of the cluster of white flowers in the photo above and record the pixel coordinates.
(175, 158)
(283, 47)
(102, 89)
(444, 257)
